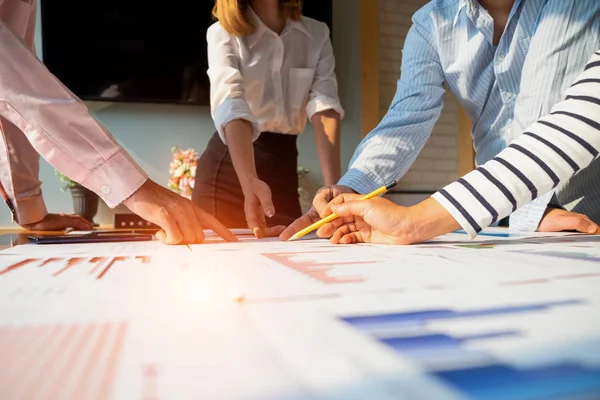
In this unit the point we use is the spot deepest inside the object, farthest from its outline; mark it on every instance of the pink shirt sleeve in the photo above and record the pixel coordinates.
(58, 126)
(19, 170)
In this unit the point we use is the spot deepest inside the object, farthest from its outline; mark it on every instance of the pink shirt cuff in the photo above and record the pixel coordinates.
(117, 179)
(29, 210)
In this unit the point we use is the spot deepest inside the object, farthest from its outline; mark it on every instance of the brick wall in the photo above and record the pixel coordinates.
(437, 164)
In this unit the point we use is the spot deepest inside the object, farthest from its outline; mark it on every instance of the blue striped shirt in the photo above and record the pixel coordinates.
(559, 145)
(504, 88)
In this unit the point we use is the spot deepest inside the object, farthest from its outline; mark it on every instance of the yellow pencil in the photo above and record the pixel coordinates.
(331, 217)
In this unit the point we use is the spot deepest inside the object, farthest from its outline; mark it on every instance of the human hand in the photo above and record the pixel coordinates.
(318, 210)
(378, 220)
(60, 222)
(181, 221)
(556, 220)
(257, 204)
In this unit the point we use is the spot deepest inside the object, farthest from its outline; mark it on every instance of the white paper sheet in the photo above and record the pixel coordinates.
(145, 320)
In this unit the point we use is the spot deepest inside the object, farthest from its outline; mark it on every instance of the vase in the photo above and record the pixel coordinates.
(85, 202)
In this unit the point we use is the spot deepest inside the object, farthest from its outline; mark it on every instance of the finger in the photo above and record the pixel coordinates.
(252, 218)
(352, 238)
(322, 198)
(570, 222)
(77, 222)
(583, 225)
(185, 220)
(210, 222)
(339, 200)
(339, 233)
(256, 220)
(273, 231)
(266, 202)
(306, 220)
(169, 226)
(328, 229)
(351, 208)
(261, 231)
(161, 235)
(197, 225)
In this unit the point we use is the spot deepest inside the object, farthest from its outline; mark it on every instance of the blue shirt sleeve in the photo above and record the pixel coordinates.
(389, 150)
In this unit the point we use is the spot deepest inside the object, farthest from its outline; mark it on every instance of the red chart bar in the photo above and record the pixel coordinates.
(71, 262)
(144, 259)
(18, 265)
(110, 264)
(316, 270)
(98, 261)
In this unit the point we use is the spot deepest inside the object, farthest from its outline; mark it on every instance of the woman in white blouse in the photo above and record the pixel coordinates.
(552, 150)
(270, 69)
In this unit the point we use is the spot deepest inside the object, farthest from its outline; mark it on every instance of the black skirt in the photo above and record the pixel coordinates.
(218, 191)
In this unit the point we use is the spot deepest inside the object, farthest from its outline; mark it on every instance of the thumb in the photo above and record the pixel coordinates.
(338, 200)
(161, 235)
(351, 208)
(585, 226)
(264, 196)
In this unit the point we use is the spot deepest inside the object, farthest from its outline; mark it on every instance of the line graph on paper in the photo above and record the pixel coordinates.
(61, 360)
(56, 267)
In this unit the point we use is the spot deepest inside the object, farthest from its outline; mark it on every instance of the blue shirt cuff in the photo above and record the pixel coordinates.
(527, 218)
(359, 181)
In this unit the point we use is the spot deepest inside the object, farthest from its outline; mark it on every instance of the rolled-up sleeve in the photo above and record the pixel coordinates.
(227, 95)
(323, 94)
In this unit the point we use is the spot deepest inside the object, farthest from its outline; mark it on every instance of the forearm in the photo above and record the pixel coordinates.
(59, 127)
(327, 128)
(238, 134)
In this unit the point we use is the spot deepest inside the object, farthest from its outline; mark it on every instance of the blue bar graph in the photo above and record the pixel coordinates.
(471, 369)
(433, 350)
(502, 382)
(416, 319)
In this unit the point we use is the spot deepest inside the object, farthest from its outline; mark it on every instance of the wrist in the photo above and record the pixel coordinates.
(430, 219)
(131, 199)
(247, 182)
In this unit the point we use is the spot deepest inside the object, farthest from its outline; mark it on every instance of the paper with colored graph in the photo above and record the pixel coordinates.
(502, 317)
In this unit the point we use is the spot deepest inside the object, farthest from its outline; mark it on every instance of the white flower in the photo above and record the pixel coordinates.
(179, 171)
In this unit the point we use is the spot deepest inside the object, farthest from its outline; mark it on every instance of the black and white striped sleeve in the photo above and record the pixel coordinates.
(552, 150)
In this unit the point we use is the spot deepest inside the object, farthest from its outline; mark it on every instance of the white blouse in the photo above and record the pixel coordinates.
(273, 81)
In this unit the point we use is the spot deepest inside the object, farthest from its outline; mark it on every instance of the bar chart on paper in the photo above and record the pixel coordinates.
(60, 361)
(473, 350)
(95, 267)
(319, 269)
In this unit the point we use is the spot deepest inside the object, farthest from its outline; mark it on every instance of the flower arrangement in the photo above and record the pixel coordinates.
(183, 171)
(67, 182)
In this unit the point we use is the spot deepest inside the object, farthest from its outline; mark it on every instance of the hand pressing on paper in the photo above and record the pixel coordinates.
(378, 220)
(180, 220)
(60, 222)
(556, 220)
(319, 209)
(258, 204)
